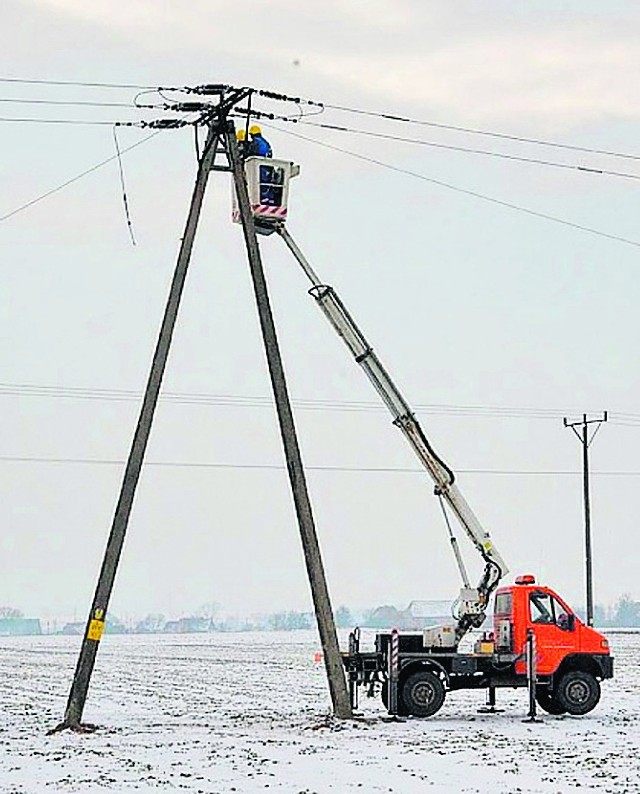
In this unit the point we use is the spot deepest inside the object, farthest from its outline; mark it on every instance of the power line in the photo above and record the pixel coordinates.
(397, 169)
(464, 191)
(281, 467)
(345, 109)
(467, 150)
(487, 133)
(75, 178)
(75, 83)
(71, 103)
(253, 401)
(57, 121)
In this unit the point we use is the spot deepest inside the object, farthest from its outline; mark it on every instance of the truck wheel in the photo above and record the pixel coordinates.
(578, 692)
(548, 702)
(422, 694)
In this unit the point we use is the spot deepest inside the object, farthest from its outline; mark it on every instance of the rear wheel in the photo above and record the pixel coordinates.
(422, 694)
(578, 692)
(547, 701)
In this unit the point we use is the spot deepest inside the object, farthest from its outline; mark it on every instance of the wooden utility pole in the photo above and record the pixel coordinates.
(585, 441)
(221, 136)
(98, 613)
(310, 545)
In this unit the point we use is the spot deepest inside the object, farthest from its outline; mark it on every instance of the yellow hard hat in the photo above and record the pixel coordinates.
(241, 135)
(255, 130)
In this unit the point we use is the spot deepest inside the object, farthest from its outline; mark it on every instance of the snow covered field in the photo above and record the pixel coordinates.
(246, 712)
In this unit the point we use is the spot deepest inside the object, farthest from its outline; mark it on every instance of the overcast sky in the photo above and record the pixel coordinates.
(469, 303)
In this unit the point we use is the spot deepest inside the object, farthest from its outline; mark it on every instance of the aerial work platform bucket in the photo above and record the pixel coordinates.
(268, 186)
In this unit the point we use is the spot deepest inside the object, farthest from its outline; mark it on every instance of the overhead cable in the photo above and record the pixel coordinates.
(62, 121)
(218, 88)
(329, 468)
(253, 401)
(75, 178)
(74, 83)
(464, 191)
(125, 199)
(70, 103)
(437, 145)
(487, 133)
(486, 152)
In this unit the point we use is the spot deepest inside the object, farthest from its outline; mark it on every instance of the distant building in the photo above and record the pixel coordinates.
(19, 627)
(73, 628)
(188, 626)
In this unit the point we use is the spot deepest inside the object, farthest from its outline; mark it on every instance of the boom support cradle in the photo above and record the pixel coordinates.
(473, 603)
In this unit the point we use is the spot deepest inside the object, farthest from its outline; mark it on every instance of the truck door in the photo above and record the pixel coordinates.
(554, 629)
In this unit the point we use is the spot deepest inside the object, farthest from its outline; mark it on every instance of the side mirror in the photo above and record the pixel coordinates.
(571, 622)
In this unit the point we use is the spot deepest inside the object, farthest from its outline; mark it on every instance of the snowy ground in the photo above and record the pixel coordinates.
(245, 713)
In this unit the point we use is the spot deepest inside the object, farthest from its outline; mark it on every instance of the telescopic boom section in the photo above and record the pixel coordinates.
(473, 602)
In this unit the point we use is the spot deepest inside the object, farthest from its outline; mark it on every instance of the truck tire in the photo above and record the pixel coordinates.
(578, 692)
(422, 694)
(548, 702)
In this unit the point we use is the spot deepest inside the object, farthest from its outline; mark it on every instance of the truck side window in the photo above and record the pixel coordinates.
(541, 608)
(561, 615)
(504, 603)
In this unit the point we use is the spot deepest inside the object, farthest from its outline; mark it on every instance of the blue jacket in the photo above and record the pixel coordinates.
(261, 147)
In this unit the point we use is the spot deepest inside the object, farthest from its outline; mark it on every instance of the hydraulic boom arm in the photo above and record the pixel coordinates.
(473, 603)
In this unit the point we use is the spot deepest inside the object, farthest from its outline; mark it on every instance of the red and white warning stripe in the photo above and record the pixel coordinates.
(395, 652)
(272, 212)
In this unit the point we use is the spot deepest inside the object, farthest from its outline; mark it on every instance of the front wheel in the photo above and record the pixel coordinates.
(422, 694)
(578, 692)
(548, 702)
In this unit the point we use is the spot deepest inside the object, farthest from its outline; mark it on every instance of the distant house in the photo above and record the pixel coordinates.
(19, 627)
(73, 628)
(188, 626)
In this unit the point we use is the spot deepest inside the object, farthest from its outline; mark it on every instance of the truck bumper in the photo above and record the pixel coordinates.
(606, 665)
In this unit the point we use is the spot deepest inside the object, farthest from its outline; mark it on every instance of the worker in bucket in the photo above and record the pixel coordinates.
(260, 146)
(245, 147)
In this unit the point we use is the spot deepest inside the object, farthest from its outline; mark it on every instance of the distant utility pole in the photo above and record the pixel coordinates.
(586, 441)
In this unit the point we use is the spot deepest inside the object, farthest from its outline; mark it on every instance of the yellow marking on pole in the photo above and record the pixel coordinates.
(96, 627)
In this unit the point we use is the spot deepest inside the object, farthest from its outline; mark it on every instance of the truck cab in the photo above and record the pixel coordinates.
(571, 657)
